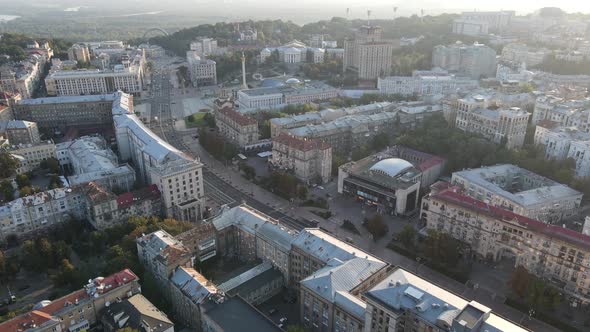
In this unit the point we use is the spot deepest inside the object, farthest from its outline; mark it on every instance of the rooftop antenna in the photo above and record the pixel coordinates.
(422, 15)
(244, 85)
(369, 17)
(394, 12)
(347, 13)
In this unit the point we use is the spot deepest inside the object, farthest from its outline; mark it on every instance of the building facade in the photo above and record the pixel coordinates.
(474, 61)
(237, 128)
(424, 85)
(310, 160)
(368, 55)
(203, 72)
(549, 251)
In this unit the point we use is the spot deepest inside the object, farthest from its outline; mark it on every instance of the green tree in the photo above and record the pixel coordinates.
(7, 163)
(407, 236)
(65, 275)
(380, 142)
(7, 190)
(22, 180)
(25, 191)
(520, 280)
(376, 226)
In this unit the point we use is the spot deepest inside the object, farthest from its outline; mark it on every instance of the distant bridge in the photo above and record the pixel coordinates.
(164, 32)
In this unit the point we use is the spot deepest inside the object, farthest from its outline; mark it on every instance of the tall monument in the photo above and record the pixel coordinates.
(244, 85)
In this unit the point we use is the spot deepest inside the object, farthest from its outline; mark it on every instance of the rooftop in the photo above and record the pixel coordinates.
(531, 188)
(301, 144)
(324, 246)
(238, 117)
(193, 284)
(68, 99)
(383, 169)
(402, 290)
(235, 314)
(129, 198)
(136, 312)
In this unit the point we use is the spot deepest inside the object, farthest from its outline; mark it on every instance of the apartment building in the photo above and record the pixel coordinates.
(30, 156)
(280, 125)
(296, 51)
(19, 132)
(201, 240)
(79, 310)
(59, 113)
(368, 54)
(79, 53)
(161, 254)
(178, 176)
(89, 159)
(424, 85)
(522, 53)
(520, 191)
(293, 92)
(502, 126)
(310, 160)
(475, 61)
(345, 133)
(22, 77)
(204, 46)
(496, 20)
(202, 71)
(236, 127)
(468, 27)
(403, 301)
(136, 313)
(128, 76)
(567, 113)
(550, 251)
(564, 142)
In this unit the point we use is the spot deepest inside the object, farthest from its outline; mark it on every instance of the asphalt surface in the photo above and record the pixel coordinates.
(215, 187)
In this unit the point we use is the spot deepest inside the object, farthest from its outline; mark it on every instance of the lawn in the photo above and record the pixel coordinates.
(196, 120)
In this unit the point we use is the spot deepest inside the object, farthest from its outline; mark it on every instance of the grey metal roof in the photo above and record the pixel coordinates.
(341, 276)
(235, 314)
(195, 287)
(67, 99)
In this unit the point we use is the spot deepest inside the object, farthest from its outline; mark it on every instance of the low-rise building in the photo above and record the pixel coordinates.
(520, 191)
(79, 310)
(549, 251)
(310, 160)
(279, 125)
(161, 254)
(236, 127)
(30, 156)
(392, 184)
(136, 313)
(424, 85)
(292, 92)
(255, 285)
(503, 126)
(89, 159)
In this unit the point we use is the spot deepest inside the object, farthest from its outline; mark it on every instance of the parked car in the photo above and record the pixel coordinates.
(272, 311)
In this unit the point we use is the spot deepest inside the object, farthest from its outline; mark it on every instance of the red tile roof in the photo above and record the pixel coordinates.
(453, 196)
(129, 198)
(26, 321)
(104, 285)
(70, 299)
(238, 117)
(303, 144)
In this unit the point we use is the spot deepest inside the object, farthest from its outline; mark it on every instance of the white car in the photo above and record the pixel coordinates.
(283, 320)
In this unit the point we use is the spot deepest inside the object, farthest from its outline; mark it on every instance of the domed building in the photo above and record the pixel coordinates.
(389, 180)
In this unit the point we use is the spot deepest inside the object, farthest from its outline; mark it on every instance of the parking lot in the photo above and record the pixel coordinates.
(282, 309)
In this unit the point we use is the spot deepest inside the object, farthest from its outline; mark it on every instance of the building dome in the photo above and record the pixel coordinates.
(391, 167)
(293, 80)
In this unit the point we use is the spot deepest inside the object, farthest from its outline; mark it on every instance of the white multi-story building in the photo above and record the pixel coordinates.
(90, 160)
(204, 46)
(202, 71)
(368, 54)
(22, 77)
(521, 53)
(296, 52)
(520, 191)
(495, 20)
(503, 126)
(127, 76)
(309, 159)
(551, 252)
(425, 85)
(79, 52)
(30, 156)
(178, 176)
(570, 113)
(470, 28)
(475, 60)
(293, 92)
(565, 142)
(161, 254)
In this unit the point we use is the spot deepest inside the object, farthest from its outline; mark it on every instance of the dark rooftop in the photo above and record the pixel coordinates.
(235, 314)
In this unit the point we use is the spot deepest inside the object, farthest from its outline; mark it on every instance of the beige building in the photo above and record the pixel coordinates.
(77, 311)
(502, 126)
(368, 54)
(19, 132)
(237, 128)
(202, 71)
(550, 251)
(161, 254)
(310, 160)
(520, 191)
(79, 52)
(31, 156)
